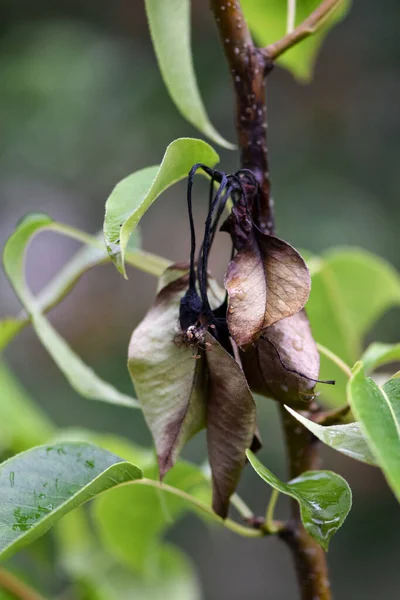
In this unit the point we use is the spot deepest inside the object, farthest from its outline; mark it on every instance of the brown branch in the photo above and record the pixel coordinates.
(309, 557)
(16, 587)
(305, 29)
(248, 66)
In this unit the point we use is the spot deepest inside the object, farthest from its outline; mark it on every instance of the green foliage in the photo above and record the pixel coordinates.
(134, 195)
(267, 20)
(80, 376)
(22, 423)
(40, 485)
(324, 498)
(378, 354)
(378, 411)
(351, 289)
(132, 519)
(169, 23)
(347, 439)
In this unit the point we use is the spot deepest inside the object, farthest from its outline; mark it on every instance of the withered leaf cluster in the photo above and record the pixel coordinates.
(200, 352)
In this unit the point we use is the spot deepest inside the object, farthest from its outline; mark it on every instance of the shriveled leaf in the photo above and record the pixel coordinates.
(378, 411)
(378, 354)
(168, 380)
(169, 23)
(80, 376)
(22, 422)
(267, 20)
(132, 196)
(40, 485)
(324, 498)
(231, 423)
(266, 281)
(131, 520)
(347, 439)
(282, 364)
(338, 312)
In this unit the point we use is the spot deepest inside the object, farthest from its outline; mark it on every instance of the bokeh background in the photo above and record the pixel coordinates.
(82, 105)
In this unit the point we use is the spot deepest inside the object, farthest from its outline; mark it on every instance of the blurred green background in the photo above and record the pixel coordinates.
(82, 105)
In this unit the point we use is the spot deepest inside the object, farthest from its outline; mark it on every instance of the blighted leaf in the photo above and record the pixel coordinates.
(169, 23)
(378, 354)
(231, 423)
(41, 485)
(267, 20)
(378, 411)
(168, 380)
(347, 439)
(324, 498)
(284, 363)
(266, 281)
(83, 379)
(132, 196)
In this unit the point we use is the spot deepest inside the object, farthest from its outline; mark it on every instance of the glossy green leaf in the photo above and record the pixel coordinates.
(339, 313)
(324, 498)
(169, 23)
(132, 196)
(131, 520)
(40, 485)
(22, 422)
(378, 411)
(81, 377)
(378, 354)
(92, 254)
(267, 21)
(347, 439)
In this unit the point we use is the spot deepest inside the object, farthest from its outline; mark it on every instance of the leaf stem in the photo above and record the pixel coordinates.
(269, 515)
(309, 26)
(242, 530)
(291, 15)
(335, 359)
(144, 261)
(16, 587)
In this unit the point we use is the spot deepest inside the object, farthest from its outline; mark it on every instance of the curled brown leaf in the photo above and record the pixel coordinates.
(231, 423)
(284, 362)
(266, 281)
(169, 382)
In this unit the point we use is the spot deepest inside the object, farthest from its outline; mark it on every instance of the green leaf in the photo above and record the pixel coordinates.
(132, 196)
(324, 498)
(347, 439)
(92, 254)
(378, 410)
(339, 314)
(81, 377)
(267, 20)
(22, 422)
(169, 23)
(131, 520)
(378, 354)
(40, 485)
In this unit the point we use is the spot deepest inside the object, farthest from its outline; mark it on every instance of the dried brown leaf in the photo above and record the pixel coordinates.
(231, 423)
(283, 361)
(266, 281)
(169, 382)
